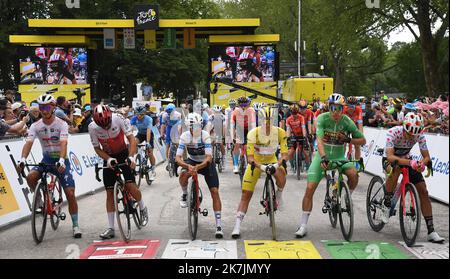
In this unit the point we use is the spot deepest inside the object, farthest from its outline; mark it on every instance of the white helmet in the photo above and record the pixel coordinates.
(217, 108)
(46, 99)
(257, 106)
(413, 123)
(194, 119)
(205, 106)
(337, 99)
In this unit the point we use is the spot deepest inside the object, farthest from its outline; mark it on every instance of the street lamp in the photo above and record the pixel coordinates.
(322, 68)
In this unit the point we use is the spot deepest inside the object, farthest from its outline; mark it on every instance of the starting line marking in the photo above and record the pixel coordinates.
(428, 250)
(363, 250)
(199, 249)
(135, 249)
(262, 249)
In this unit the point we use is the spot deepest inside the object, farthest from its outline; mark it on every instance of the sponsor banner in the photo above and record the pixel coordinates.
(8, 202)
(199, 249)
(428, 250)
(109, 38)
(262, 249)
(82, 158)
(438, 146)
(30, 93)
(150, 39)
(189, 37)
(134, 249)
(363, 250)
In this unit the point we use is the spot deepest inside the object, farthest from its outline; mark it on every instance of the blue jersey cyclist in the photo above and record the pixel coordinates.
(170, 118)
(144, 125)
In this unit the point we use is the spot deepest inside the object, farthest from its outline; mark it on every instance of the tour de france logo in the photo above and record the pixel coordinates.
(76, 165)
(146, 16)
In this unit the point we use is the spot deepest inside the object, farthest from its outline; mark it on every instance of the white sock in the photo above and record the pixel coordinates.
(111, 219)
(184, 189)
(141, 204)
(239, 217)
(218, 216)
(304, 218)
(279, 194)
(351, 191)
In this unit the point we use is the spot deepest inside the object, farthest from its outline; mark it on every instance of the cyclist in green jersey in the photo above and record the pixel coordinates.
(332, 132)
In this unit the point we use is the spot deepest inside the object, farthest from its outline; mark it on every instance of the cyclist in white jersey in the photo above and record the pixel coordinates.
(399, 142)
(52, 133)
(108, 132)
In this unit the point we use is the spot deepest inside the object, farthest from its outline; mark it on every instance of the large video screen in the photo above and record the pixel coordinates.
(244, 63)
(53, 65)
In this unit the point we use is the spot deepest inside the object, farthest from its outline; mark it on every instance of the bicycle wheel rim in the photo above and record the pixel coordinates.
(192, 211)
(410, 222)
(271, 193)
(39, 220)
(137, 218)
(332, 213)
(122, 213)
(56, 201)
(345, 212)
(374, 202)
(298, 164)
(139, 170)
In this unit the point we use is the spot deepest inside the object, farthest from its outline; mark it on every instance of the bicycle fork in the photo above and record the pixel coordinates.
(199, 197)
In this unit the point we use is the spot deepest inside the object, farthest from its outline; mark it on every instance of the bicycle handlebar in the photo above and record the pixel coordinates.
(41, 165)
(116, 168)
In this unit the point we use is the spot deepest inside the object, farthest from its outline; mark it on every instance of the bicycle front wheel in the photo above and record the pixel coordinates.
(192, 210)
(39, 215)
(122, 206)
(270, 192)
(298, 163)
(56, 200)
(374, 203)
(410, 215)
(331, 200)
(242, 166)
(345, 211)
(139, 170)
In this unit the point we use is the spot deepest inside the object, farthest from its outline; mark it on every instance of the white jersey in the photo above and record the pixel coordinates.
(197, 148)
(112, 141)
(396, 138)
(49, 136)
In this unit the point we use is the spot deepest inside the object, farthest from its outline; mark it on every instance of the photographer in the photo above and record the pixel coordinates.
(64, 110)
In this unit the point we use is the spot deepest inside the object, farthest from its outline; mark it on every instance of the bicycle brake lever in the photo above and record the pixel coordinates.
(97, 170)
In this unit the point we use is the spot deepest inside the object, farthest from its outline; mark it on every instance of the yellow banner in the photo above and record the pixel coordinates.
(189, 37)
(150, 39)
(8, 202)
(225, 92)
(30, 93)
(262, 249)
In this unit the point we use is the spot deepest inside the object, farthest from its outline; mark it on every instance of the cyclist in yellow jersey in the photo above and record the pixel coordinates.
(262, 143)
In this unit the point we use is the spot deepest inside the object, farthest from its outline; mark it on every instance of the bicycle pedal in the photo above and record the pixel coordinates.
(205, 212)
(324, 209)
(62, 216)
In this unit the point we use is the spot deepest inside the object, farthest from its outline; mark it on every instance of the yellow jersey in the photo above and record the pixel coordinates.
(263, 145)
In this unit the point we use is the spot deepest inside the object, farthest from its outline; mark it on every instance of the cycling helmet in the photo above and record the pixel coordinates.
(217, 108)
(140, 109)
(336, 99)
(102, 116)
(232, 103)
(242, 100)
(194, 119)
(294, 109)
(46, 99)
(413, 123)
(310, 107)
(266, 113)
(352, 100)
(325, 108)
(170, 108)
(205, 106)
(410, 106)
(257, 106)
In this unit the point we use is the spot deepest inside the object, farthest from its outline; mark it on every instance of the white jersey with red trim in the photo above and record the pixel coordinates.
(49, 136)
(112, 141)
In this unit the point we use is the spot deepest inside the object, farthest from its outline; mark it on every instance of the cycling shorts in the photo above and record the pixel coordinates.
(209, 173)
(66, 178)
(415, 177)
(315, 171)
(109, 176)
(251, 177)
(241, 135)
(143, 137)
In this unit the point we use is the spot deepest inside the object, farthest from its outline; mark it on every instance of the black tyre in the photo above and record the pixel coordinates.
(56, 200)
(242, 167)
(122, 207)
(345, 205)
(374, 202)
(39, 213)
(298, 163)
(136, 214)
(192, 210)
(139, 170)
(271, 194)
(332, 198)
(410, 215)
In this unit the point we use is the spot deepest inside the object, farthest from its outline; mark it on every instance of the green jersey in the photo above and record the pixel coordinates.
(328, 129)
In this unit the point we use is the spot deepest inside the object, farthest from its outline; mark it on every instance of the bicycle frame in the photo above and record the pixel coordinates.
(400, 191)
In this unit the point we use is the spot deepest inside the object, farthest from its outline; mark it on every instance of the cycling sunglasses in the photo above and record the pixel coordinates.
(336, 108)
(243, 105)
(46, 107)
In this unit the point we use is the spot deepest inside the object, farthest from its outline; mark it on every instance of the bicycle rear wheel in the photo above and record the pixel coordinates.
(345, 211)
(270, 192)
(139, 170)
(136, 214)
(192, 210)
(56, 200)
(39, 215)
(374, 202)
(298, 163)
(331, 199)
(122, 205)
(410, 215)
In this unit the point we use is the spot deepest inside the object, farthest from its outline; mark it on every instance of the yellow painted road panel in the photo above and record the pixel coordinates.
(265, 249)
